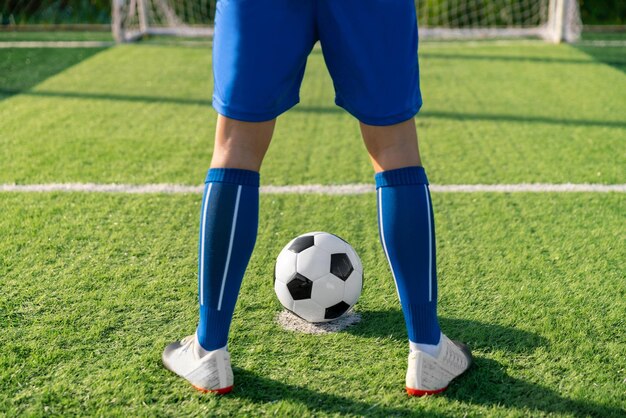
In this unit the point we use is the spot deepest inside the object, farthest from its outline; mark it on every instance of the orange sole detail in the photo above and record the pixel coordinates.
(221, 391)
(419, 392)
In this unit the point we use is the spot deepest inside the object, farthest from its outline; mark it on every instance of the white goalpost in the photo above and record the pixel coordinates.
(552, 20)
(134, 19)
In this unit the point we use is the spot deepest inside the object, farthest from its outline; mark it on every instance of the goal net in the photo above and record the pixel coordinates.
(552, 20)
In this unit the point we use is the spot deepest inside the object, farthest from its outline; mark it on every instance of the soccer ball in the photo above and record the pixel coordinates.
(318, 276)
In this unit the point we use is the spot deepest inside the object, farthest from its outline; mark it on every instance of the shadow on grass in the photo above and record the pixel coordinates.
(260, 389)
(487, 382)
(478, 335)
(488, 117)
(320, 109)
(615, 56)
(23, 68)
(427, 56)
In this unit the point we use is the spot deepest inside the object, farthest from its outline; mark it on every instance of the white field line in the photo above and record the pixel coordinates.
(56, 44)
(478, 43)
(101, 44)
(507, 43)
(614, 42)
(340, 189)
(424, 43)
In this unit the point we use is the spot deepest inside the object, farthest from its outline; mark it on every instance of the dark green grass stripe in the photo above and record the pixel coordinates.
(54, 36)
(511, 118)
(20, 69)
(614, 56)
(507, 118)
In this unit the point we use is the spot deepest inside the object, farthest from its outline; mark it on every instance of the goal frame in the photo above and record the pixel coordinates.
(555, 29)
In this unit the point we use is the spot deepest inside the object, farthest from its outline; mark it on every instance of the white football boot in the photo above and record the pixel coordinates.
(429, 374)
(206, 371)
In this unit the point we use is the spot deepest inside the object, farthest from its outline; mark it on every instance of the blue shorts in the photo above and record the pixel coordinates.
(260, 50)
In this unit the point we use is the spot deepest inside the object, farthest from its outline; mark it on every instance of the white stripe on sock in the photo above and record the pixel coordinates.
(206, 205)
(430, 247)
(382, 237)
(230, 248)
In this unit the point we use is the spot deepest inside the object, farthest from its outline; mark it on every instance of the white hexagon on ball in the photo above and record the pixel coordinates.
(328, 290)
(313, 263)
(353, 287)
(282, 292)
(308, 310)
(330, 243)
(285, 266)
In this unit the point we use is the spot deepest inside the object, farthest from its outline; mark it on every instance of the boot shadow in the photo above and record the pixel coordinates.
(487, 382)
(263, 390)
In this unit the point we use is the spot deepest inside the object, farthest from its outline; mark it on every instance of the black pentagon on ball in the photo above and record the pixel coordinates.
(302, 243)
(336, 311)
(341, 266)
(300, 287)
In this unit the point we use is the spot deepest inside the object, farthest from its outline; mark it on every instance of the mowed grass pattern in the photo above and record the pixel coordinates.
(492, 114)
(93, 286)
(96, 285)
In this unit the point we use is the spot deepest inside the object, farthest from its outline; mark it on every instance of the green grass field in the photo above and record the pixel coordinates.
(93, 286)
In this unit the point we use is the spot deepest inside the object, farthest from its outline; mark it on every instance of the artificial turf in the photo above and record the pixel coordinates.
(21, 69)
(94, 286)
(492, 114)
(54, 36)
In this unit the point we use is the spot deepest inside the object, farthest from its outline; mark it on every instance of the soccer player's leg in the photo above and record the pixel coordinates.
(228, 228)
(407, 234)
(371, 52)
(259, 55)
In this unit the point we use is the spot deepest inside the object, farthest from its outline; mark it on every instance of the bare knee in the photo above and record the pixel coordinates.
(393, 146)
(240, 144)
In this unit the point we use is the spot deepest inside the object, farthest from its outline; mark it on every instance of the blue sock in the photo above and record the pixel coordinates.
(228, 228)
(407, 233)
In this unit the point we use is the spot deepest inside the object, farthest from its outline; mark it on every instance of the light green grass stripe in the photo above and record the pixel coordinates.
(140, 114)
